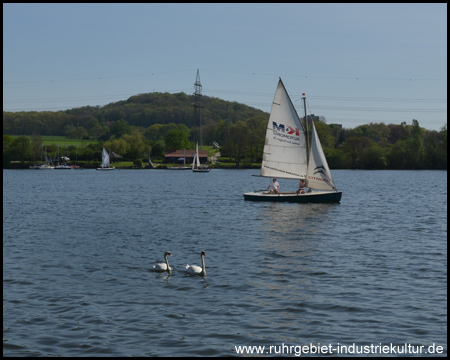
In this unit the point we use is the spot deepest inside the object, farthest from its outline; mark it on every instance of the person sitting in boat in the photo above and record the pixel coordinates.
(301, 187)
(274, 187)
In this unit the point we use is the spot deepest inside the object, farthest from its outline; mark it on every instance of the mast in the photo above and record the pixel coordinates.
(306, 130)
(198, 103)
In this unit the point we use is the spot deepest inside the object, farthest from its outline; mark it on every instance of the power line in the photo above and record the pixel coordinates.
(337, 98)
(333, 77)
(341, 98)
(84, 98)
(333, 98)
(355, 77)
(92, 77)
(254, 104)
(348, 108)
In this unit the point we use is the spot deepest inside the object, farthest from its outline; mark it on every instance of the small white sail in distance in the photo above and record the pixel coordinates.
(196, 160)
(105, 158)
(197, 157)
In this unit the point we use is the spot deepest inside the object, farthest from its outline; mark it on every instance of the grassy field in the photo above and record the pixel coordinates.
(61, 141)
(64, 142)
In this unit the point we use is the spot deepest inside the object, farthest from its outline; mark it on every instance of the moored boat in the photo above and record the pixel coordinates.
(41, 167)
(196, 166)
(105, 161)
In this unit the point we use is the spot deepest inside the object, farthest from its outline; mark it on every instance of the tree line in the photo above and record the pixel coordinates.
(142, 124)
(141, 111)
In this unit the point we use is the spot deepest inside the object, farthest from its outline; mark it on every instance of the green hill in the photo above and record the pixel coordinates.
(141, 110)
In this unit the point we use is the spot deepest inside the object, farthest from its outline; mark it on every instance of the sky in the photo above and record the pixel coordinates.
(356, 63)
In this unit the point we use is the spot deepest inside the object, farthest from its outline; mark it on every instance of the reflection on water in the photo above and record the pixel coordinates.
(288, 254)
(283, 219)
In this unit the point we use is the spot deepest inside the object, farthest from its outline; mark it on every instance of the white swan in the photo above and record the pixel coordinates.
(163, 266)
(197, 270)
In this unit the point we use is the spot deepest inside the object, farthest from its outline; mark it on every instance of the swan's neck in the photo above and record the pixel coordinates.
(167, 262)
(203, 265)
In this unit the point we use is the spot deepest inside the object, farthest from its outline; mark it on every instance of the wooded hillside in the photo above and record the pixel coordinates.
(159, 122)
(141, 110)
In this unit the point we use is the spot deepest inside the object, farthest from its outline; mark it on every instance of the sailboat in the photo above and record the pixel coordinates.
(63, 166)
(196, 167)
(287, 155)
(42, 166)
(150, 164)
(105, 161)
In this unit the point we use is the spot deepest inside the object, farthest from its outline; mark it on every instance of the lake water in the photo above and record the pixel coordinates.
(79, 248)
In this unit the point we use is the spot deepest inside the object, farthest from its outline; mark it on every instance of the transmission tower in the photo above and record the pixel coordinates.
(198, 104)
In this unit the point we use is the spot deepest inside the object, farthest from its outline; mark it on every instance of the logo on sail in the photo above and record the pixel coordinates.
(321, 171)
(281, 128)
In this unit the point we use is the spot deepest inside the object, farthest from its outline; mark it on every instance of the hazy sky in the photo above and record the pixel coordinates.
(357, 63)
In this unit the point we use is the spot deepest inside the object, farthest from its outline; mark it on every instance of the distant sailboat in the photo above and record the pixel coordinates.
(196, 167)
(62, 166)
(43, 166)
(286, 156)
(150, 164)
(105, 161)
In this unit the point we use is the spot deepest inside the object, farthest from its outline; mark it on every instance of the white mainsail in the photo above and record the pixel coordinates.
(105, 158)
(196, 159)
(285, 149)
(150, 161)
(318, 176)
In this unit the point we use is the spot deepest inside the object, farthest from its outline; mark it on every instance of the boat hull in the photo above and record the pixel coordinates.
(41, 167)
(312, 197)
(107, 168)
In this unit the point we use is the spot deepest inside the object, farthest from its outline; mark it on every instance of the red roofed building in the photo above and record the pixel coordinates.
(178, 155)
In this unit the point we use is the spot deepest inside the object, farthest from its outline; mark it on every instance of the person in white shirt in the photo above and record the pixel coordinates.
(274, 187)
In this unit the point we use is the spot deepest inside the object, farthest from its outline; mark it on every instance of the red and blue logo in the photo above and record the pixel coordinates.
(288, 129)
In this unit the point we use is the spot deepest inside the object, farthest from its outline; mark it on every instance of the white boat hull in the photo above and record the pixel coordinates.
(41, 167)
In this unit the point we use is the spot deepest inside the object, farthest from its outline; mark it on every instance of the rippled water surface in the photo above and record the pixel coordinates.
(79, 248)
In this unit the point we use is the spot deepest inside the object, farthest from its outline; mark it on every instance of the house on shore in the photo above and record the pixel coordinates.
(185, 156)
